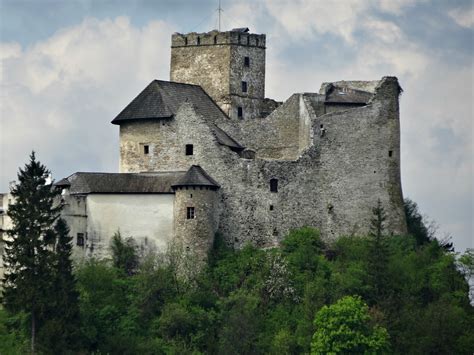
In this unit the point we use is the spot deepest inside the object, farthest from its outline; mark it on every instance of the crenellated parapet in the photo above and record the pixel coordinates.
(238, 37)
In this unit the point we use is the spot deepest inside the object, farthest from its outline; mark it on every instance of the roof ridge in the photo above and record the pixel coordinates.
(175, 82)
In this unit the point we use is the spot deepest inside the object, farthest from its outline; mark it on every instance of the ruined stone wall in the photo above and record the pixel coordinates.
(196, 234)
(360, 163)
(282, 135)
(332, 184)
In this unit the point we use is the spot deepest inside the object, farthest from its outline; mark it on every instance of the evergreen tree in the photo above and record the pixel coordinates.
(28, 253)
(378, 253)
(60, 332)
(422, 228)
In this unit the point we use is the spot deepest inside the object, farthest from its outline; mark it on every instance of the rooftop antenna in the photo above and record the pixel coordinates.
(219, 10)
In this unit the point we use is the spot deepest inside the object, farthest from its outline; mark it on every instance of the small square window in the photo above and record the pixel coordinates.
(190, 213)
(246, 61)
(240, 112)
(189, 149)
(146, 149)
(390, 153)
(244, 86)
(271, 207)
(80, 239)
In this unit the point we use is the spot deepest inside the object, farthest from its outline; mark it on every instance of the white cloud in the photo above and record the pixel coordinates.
(395, 7)
(383, 30)
(60, 94)
(303, 18)
(463, 17)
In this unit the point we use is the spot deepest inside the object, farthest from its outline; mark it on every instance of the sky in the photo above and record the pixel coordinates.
(67, 68)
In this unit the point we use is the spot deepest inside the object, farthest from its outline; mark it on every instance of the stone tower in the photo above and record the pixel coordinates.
(229, 66)
(196, 211)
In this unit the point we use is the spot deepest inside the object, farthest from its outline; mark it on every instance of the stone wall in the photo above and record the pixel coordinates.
(329, 181)
(196, 234)
(215, 61)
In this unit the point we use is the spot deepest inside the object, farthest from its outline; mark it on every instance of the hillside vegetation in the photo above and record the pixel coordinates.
(410, 297)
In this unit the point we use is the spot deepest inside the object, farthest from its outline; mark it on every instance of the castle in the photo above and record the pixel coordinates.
(207, 153)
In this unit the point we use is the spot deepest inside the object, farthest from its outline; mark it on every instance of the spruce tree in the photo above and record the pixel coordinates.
(61, 330)
(378, 253)
(28, 253)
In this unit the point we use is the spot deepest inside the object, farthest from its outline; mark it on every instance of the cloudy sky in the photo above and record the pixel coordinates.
(68, 67)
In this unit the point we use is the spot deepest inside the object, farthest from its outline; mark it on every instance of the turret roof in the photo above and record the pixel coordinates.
(196, 176)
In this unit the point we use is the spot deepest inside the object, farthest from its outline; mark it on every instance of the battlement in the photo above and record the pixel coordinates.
(238, 37)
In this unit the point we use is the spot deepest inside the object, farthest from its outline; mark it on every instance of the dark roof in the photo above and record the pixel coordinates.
(224, 139)
(87, 183)
(63, 182)
(342, 95)
(162, 99)
(196, 176)
(240, 29)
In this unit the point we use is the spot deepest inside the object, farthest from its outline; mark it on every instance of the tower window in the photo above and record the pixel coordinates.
(244, 86)
(240, 112)
(239, 39)
(390, 153)
(190, 214)
(215, 39)
(256, 42)
(198, 41)
(189, 149)
(146, 149)
(271, 207)
(80, 239)
(185, 41)
(274, 185)
(248, 40)
(246, 61)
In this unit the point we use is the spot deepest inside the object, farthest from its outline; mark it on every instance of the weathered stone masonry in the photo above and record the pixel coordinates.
(331, 155)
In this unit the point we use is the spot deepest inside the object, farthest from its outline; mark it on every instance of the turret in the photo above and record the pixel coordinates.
(196, 211)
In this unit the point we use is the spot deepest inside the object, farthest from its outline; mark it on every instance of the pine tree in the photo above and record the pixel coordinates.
(60, 332)
(28, 253)
(378, 253)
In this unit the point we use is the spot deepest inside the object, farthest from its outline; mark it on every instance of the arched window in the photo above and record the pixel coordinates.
(274, 185)
(198, 41)
(215, 39)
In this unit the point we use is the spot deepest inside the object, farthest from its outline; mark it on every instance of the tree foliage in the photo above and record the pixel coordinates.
(279, 301)
(124, 253)
(345, 327)
(39, 281)
(28, 255)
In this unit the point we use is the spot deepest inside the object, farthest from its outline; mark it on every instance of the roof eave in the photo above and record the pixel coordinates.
(119, 121)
